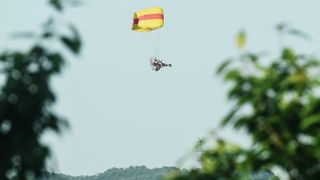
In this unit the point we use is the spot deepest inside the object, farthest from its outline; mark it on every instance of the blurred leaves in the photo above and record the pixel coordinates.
(26, 99)
(286, 29)
(278, 106)
(223, 66)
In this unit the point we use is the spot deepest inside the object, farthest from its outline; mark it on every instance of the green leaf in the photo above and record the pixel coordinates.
(57, 4)
(285, 28)
(288, 54)
(57, 61)
(73, 43)
(280, 27)
(310, 121)
(252, 57)
(299, 33)
(233, 74)
(69, 43)
(230, 115)
(200, 143)
(223, 66)
(241, 39)
(312, 62)
(47, 35)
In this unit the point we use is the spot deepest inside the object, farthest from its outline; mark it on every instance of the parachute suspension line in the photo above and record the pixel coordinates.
(152, 41)
(155, 43)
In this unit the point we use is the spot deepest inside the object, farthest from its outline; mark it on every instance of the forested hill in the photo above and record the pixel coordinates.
(131, 173)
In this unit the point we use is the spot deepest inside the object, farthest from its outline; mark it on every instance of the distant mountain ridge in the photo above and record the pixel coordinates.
(130, 173)
(139, 173)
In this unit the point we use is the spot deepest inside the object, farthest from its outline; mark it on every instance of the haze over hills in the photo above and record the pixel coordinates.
(137, 173)
(131, 173)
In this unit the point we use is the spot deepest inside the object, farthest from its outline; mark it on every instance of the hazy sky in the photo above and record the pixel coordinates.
(121, 112)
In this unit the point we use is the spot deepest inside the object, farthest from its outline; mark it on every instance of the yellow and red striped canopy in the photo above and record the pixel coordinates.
(148, 19)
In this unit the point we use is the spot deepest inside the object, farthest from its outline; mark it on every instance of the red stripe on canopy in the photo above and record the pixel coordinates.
(147, 17)
(150, 16)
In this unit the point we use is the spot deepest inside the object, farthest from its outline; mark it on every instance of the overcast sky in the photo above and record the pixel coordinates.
(122, 113)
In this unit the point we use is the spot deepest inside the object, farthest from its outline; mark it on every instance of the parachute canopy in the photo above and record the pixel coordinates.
(148, 19)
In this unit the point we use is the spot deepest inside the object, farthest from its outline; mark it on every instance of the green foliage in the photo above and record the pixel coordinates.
(282, 100)
(26, 101)
(224, 161)
(60, 5)
(275, 102)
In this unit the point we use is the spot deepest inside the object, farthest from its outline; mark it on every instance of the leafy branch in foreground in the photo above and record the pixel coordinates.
(26, 101)
(276, 103)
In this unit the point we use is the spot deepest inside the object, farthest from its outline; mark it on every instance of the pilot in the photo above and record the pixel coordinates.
(157, 64)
